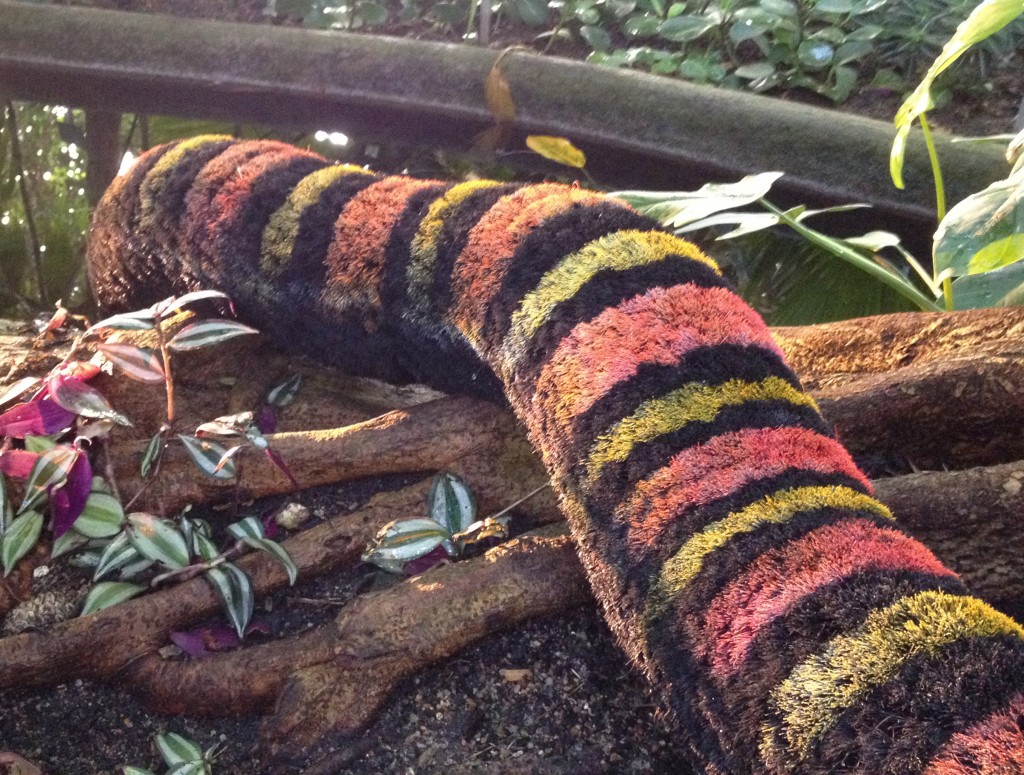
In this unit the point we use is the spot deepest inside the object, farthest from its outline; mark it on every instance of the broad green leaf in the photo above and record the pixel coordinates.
(102, 516)
(176, 749)
(999, 288)
(988, 17)
(596, 37)
(250, 527)
(533, 13)
(557, 149)
(276, 551)
(993, 216)
(641, 25)
(208, 456)
(285, 393)
(108, 593)
(815, 54)
(204, 333)
(675, 209)
(39, 444)
(373, 14)
(49, 472)
(780, 7)
(157, 539)
(833, 6)
(755, 71)
(451, 503)
(119, 552)
(744, 30)
(682, 29)
(139, 363)
(404, 540)
(19, 538)
(234, 589)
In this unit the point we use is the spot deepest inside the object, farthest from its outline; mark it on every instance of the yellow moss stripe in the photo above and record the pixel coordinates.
(617, 251)
(423, 249)
(779, 507)
(693, 402)
(283, 227)
(821, 687)
(157, 175)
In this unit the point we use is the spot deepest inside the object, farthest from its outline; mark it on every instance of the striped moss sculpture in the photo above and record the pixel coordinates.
(736, 548)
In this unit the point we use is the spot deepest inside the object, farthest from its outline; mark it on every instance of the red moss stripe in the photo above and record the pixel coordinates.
(993, 746)
(783, 577)
(657, 327)
(707, 472)
(481, 266)
(356, 256)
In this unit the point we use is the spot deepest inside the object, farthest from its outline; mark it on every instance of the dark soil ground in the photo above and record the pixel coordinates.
(578, 709)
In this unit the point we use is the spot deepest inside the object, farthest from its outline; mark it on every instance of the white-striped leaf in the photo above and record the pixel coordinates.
(276, 551)
(154, 450)
(203, 333)
(234, 589)
(139, 363)
(285, 393)
(19, 388)
(404, 540)
(228, 425)
(207, 455)
(451, 503)
(167, 307)
(119, 552)
(67, 541)
(108, 593)
(204, 548)
(157, 539)
(250, 527)
(49, 472)
(102, 516)
(189, 768)
(136, 771)
(143, 320)
(76, 396)
(19, 538)
(176, 749)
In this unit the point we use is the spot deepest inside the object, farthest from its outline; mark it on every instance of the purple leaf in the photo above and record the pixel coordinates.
(68, 502)
(204, 641)
(426, 562)
(37, 418)
(266, 419)
(278, 461)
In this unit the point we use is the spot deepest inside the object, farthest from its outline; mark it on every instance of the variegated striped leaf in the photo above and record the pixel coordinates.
(276, 551)
(102, 516)
(19, 538)
(140, 363)
(108, 593)
(451, 503)
(234, 589)
(49, 472)
(208, 456)
(157, 539)
(204, 333)
(176, 749)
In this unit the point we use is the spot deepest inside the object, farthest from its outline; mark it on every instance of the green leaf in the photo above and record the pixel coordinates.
(682, 29)
(204, 333)
(533, 13)
(596, 37)
(675, 209)
(833, 6)
(451, 503)
(815, 54)
(39, 444)
(994, 216)
(108, 593)
(176, 749)
(998, 288)
(49, 472)
(154, 450)
(755, 71)
(276, 551)
(157, 539)
(641, 26)
(189, 768)
(119, 552)
(6, 509)
(204, 547)
(102, 516)
(250, 527)
(451, 14)
(404, 540)
(68, 541)
(986, 19)
(19, 538)
(209, 457)
(136, 771)
(373, 14)
(745, 30)
(234, 589)
(139, 363)
(852, 50)
(785, 8)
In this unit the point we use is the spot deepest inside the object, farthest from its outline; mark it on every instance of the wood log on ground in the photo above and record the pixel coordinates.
(330, 681)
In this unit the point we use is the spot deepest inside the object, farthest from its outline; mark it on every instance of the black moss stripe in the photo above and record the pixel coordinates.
(394, 285)
(546, 245)
(170, 200)
(898, 728)
(617, 477)
(835, 609)
(453, 238)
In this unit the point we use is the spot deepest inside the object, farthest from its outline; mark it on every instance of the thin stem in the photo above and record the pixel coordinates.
(933, 157)
(525, 498)
(165, 353)
(26, 201)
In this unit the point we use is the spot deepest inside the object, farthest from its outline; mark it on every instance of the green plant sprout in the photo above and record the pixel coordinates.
(181, 755)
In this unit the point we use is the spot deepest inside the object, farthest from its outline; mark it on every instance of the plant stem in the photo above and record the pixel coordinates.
(933, 157)
(525, 498)
(168, 379)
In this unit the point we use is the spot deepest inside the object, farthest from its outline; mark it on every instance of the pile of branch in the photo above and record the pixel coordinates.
(943, 392)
